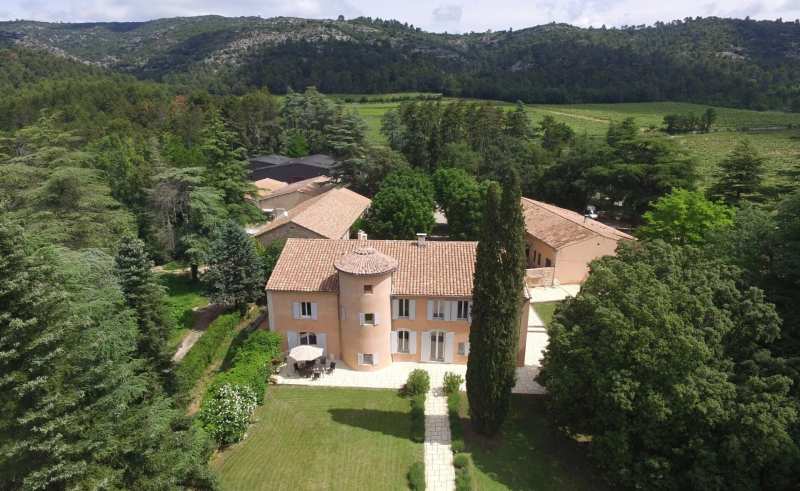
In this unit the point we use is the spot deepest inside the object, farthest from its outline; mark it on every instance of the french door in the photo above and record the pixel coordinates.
(437, 345)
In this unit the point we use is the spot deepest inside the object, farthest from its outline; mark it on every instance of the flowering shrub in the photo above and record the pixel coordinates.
(226, 413)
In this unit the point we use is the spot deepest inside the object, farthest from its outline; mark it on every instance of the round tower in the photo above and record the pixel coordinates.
(365, 300)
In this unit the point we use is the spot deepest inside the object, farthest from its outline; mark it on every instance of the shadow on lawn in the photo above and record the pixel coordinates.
(530, 453)
(393, 423)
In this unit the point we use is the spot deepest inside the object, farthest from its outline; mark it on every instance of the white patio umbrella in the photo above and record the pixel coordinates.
(305, 352)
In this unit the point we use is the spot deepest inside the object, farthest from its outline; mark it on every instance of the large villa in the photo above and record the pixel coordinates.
(370, 303)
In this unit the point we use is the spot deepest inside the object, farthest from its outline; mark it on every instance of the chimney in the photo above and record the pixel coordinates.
(421, 239)
(362, 236)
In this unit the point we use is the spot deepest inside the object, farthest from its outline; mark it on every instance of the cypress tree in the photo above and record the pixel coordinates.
(235, 274)
(146, 297)
(494, 333)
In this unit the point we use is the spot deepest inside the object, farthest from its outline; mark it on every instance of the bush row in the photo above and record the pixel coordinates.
(465, 472)
(234, 394)
(416, 389)
(456, 429)
(203, 353)
(251, 363)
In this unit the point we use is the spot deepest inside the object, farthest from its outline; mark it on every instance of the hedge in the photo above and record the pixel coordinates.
(204, 352)
(416, 476)
(456, 429)
(465, 472)
(251, 363)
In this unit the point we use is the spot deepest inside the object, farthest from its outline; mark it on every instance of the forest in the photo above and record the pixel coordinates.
(724, 62)
(104, 175)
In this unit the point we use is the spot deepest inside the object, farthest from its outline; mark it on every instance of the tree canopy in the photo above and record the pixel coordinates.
(663, 359)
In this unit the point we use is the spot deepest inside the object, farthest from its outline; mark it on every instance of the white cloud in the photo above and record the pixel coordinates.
(467, 15)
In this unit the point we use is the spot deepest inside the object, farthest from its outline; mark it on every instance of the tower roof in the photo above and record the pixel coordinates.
(365, 261)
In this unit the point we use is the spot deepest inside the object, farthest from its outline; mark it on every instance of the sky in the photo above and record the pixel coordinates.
(443, 15)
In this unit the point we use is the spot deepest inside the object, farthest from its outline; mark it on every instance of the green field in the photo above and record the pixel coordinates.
(780, 146)
(318, 438)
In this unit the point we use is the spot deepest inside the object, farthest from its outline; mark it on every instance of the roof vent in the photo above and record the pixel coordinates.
(362, 235)
(421, 239)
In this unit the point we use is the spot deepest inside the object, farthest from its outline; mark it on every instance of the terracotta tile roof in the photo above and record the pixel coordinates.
(267, 186)
(439, 269)
(313, 185)
(330, 214)
(558, 227)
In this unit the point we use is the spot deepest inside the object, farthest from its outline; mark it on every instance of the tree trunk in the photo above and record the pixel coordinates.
(194, 272)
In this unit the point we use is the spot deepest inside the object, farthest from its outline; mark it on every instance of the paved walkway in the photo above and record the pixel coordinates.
(440, 475)
(395, 375)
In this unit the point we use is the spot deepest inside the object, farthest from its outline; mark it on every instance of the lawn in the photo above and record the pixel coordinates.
(183, 296)
(545, 311)
(323, 438)
(530, 453)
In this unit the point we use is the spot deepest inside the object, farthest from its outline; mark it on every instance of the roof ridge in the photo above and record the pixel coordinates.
(581, 223)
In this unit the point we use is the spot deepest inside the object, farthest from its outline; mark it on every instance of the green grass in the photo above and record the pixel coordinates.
(323, 438)
(529, 453)
(781, 148)
(545, 311)
(183, 296)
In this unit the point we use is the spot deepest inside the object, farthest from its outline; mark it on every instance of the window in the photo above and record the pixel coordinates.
(439, 307)
(547, 263)
(404, 308)
(369, 320)
(462, 349)
(305, 310)
(368, 289)
(308, 338)
(463, 310)
(402, 341)
(366, 359)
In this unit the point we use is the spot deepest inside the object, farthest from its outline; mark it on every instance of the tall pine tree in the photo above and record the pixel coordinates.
(77, 409)
(497, 297)
(227, 169)
(235, 274)
(740, 175)
(146, 297)
(33, 325)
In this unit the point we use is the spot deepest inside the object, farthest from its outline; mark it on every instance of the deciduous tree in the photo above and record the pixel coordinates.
(662, 358)
(403, 207)
(685, 217)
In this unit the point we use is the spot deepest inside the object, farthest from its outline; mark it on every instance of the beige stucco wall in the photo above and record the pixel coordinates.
(547, 252)
(572, 261)
(286, 231)
(327, 321)
(337, 317)
(420, 324)
(365, 339)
